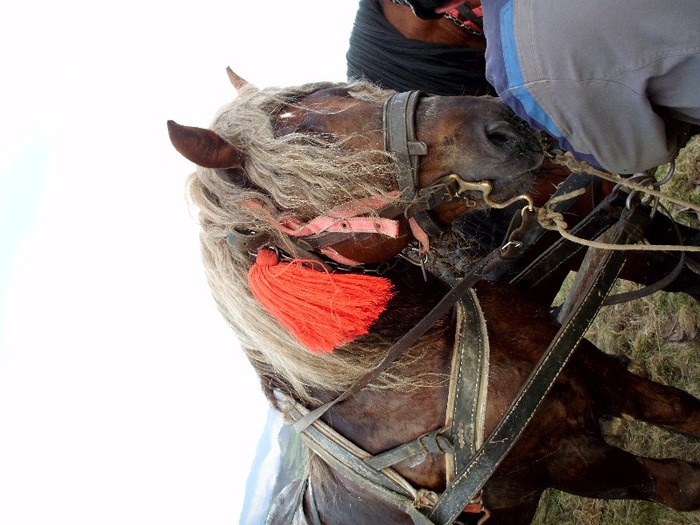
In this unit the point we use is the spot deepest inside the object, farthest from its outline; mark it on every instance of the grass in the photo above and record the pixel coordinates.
(660, 333)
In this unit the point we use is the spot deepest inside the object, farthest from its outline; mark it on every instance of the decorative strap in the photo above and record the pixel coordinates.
(322, 224)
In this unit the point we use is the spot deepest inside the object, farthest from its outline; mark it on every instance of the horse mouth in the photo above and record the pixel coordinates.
(508, 190)
(518, 151)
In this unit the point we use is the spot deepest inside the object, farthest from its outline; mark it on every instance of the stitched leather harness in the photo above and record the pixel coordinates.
(471, 461)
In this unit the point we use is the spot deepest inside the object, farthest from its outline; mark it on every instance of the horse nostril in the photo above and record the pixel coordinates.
(504, 136)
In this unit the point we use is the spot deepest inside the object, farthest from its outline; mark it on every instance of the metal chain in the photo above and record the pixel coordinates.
(464, 26)
(456, 20)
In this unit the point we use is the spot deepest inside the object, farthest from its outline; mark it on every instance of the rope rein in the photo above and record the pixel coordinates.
(554, 221)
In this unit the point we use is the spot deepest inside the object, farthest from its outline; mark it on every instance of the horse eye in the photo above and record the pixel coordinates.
(336, 92)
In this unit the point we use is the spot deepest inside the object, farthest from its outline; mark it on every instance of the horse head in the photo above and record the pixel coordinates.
(343, 151)
(310, 172)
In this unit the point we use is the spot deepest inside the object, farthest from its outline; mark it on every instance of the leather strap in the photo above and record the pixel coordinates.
(529, 231)
(429, 443)
(466, 405)
(472, 479)
(350, 461)
(400, 138)
(289, 504)
(559, 253)
(662, 283)
(312, 514)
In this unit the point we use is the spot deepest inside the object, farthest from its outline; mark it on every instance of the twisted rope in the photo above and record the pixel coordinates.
(554, 221)
(568, 161)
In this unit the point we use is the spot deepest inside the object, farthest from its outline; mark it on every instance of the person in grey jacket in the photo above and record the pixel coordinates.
(617, 82)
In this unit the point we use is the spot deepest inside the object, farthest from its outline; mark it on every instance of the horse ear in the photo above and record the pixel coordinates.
(203, 147)
(237, 81)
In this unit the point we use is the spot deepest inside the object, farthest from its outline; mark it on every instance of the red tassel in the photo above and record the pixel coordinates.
(322, 310)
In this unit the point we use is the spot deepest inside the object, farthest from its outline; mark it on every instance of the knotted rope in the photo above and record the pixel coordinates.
(552, 220)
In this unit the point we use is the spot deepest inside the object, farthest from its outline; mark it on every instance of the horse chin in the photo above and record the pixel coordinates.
(505, 188)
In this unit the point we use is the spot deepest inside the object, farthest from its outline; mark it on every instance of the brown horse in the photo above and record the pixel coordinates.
(276, 162)
(392, 47)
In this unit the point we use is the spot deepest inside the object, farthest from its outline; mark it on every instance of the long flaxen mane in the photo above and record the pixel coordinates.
(303, 176)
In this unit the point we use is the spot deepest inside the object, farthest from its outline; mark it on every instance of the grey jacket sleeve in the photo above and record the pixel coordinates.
(609, 121)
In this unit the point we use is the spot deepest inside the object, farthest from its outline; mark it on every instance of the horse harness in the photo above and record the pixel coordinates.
(470, 458)
(458, 440)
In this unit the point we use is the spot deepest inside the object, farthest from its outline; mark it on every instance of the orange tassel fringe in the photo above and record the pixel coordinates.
(322, 310)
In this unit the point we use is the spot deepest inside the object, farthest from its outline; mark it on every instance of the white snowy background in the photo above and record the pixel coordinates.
(123, 397)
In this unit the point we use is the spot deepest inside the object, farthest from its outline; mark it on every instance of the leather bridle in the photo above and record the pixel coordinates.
(400, 140)
(399, 116)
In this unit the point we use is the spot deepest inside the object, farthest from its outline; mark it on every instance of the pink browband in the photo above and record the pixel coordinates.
(346, 218)
(349, 218)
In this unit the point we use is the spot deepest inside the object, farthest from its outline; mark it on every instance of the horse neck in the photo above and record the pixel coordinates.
(378, 419)
(440, 31)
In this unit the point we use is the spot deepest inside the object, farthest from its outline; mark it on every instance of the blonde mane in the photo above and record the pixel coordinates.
(304, 176)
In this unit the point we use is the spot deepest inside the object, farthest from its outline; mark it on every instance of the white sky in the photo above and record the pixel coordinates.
(123, 398)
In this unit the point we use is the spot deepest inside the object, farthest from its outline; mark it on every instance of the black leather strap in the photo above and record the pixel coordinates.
(349, 461)
(472, 479)
(430, 443)
(521, 238)
(559, 253)
(467, 400)
(400, 138)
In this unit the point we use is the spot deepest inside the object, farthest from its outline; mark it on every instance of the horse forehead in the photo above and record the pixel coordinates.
(332, 111)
